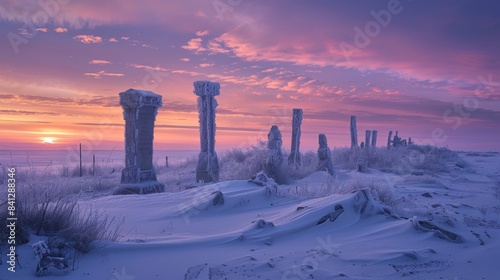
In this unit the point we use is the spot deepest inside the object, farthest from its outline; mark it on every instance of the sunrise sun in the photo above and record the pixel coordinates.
(48, 140)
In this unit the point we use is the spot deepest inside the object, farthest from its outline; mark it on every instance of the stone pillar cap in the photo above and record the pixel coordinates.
(134, 98)
(203, 88)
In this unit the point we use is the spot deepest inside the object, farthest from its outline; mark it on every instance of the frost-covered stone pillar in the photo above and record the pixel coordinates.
(397, 140)
(274, 157)
(354, 132)
(367, 138)
(139, 112)
(208, 163)
(324, 155)
(374, 138)
(295, 158)
(389, 139)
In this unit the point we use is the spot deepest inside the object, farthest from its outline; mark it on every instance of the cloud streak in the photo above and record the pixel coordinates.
(102, 73)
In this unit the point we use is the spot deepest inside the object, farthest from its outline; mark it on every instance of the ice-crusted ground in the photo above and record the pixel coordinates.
(442, 227)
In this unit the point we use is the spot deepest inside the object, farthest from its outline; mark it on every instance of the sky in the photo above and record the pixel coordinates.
(428, 69)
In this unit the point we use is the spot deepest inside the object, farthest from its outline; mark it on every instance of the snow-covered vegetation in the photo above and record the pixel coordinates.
(437, 190)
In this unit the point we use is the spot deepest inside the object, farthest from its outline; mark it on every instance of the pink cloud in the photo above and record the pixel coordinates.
(178, 14)
(270, 70)
(149, 68)
(203, 65)
(88, 39)
(61, 30)
(285, 82)
(215, 46)
(194, 45)
(394, 51)
(391, 92)
(99, 61)
(202, 33)
(201, 14)
(273, 47)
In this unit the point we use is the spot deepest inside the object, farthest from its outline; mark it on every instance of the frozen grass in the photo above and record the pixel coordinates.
(66, 171)
(384, 192)
(178, 176)
(481, 154)
(309, 166)
(426, 179)
(235, 164)
(420, 160)
(61, 218)
(47, 205)
(326, 185)
(400, 160)
(239, 164)
(419, 164)
(381, 189)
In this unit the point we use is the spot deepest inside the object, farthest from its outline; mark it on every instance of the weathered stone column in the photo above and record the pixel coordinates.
(367, 138)
(389, 139)
(208, 163)
(374, 138)
(274, 157)
(139, 112)
(295, 159)
(324, 155)
(354, 132)
(397, 140)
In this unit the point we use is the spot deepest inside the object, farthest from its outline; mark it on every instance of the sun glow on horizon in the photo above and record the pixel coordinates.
(48, 140)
